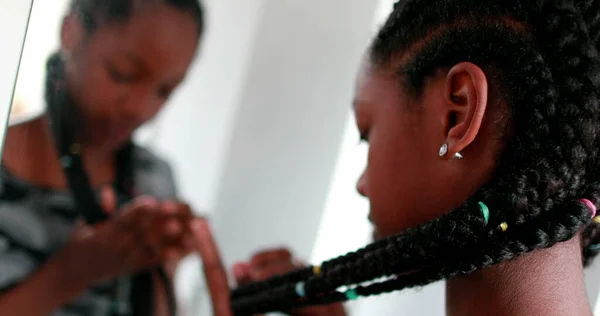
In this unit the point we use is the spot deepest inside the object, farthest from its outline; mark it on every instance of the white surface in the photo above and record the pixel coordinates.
(13, 23)
(289, 124)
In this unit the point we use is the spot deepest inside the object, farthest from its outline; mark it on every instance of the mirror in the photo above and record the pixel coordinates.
(231, 139)
(92, 77)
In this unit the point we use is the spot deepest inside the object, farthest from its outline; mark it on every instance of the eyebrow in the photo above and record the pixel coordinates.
(140, 63)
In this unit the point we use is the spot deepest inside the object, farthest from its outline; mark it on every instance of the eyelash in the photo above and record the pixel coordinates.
(120, 77)
(164, 92)
(364, 137)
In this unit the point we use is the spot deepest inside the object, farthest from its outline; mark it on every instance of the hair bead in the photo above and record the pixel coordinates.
(300, 289)
(351, 294)
(316, 270)
(594, 247)
(485, 211)
(504, 226)
(590, 206)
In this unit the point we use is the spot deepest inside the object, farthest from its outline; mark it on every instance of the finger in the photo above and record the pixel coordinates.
(139, 208)
(82, 230)
(275, 269)
(176, 210)
(266, 257)
(108, 199)
(214, 271)
(169, 207)
(188, 244)
(133, 256)
(137, 221)
(186, 212)
(142, 201)
(241, 271)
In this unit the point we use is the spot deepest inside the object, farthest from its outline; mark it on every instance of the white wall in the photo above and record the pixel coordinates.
(290, 122)
(13, 24)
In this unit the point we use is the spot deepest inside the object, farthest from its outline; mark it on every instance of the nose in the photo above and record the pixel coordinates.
(361, 184)
(139, 106)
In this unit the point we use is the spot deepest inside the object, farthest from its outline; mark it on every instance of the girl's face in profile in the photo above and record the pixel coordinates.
(121, 74)
(406, 181)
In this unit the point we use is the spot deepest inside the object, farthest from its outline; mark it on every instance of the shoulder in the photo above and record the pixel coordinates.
(153, 174)
(146, 159)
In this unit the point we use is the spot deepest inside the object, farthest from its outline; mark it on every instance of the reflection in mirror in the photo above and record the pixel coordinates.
(88, 215)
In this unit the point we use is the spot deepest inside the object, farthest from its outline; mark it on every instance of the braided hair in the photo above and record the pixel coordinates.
(93, 13)
(542, 58)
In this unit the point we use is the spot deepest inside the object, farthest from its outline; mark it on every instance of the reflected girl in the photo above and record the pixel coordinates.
(119, 61)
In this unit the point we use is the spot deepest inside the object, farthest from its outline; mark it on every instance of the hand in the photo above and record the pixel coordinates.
(140, 236)
(269, 263)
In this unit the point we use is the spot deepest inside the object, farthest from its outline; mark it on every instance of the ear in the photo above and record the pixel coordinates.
(71, 34)
(466, 97)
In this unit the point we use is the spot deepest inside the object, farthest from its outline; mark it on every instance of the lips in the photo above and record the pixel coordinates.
(120, 132)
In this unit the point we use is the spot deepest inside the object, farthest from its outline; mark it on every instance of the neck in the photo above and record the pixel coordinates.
(29, 153)
(544, 282)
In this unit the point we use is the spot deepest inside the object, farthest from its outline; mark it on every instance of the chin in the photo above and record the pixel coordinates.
(375, 235)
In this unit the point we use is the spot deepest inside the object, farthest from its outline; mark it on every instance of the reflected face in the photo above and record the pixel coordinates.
(122, 74)
(406, 181)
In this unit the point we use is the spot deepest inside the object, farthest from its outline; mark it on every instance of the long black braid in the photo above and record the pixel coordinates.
(542, 58)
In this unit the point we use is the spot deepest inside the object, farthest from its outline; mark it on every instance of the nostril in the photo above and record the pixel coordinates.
(361, 185)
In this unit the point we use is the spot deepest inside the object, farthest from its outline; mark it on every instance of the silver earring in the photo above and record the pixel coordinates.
(443, 150)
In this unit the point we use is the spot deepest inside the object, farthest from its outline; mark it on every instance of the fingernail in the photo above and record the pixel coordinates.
(169, 206)
(241, 269)
(173, 228)
(254, 274)
(238, 271)
(147, 200)
(199, 226)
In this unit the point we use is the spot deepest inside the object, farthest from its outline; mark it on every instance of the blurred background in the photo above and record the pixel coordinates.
(261, 136)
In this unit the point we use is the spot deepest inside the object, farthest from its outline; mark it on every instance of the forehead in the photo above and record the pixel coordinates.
(158, 34)
(375, 85)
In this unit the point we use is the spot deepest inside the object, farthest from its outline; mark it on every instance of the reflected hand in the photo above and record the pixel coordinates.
(273, 262)
(142, 235)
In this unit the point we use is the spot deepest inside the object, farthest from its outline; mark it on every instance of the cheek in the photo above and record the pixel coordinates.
(399, 183)
(95, 93)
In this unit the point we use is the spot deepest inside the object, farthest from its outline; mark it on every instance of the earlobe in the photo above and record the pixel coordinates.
(466, 95)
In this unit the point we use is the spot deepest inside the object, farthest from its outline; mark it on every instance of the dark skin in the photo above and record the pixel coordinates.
(120, 76)
(408, 183)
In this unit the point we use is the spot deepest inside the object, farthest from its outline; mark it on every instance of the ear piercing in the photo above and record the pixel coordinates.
(444, 150)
